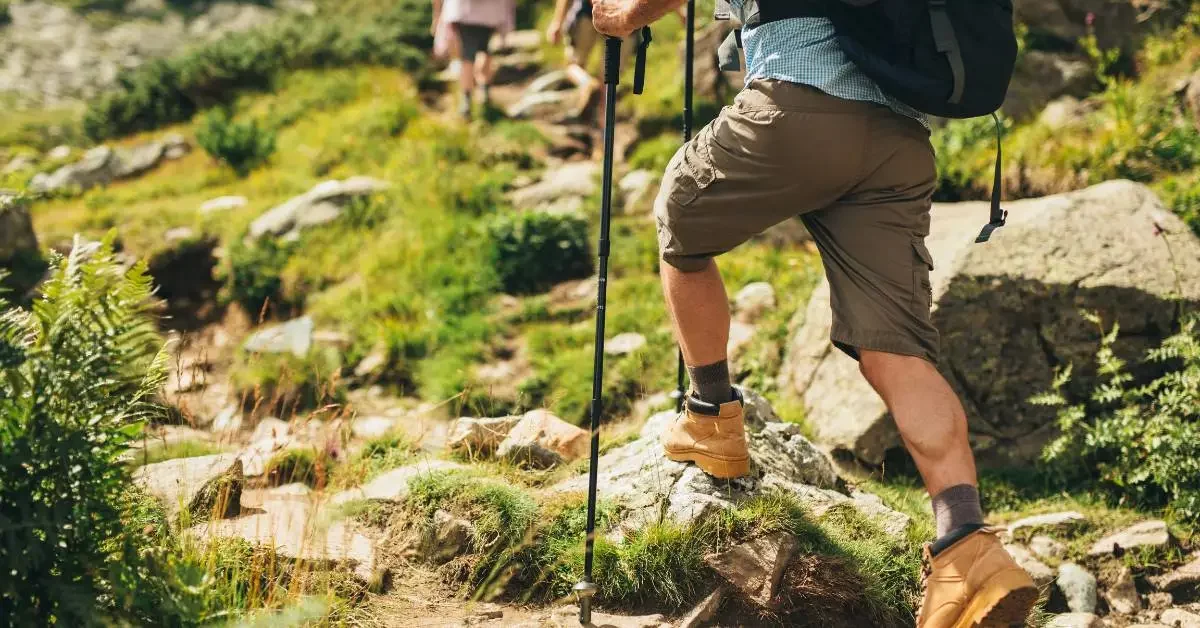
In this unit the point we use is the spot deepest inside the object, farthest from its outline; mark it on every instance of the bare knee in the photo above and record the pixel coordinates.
(877, 366)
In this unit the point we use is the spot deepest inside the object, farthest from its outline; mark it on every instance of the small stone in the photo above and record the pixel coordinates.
(1078, 586)
(371, 426)
(624, 344)
(1075, 620)
(1041, 573)
(703, 612)
(1122, 595)
(1145, 534)
(294, 336)
(753, 301)
(756, 567)
(1184, 576)
(1180, 618)
(372, 364)
(223, 203)
(448, 537)
(1160, 600)
(1047, 547)
(18, 163)
(179, 234)
(541, 440)
(479, 437)
(59, 153)
(1051, 520)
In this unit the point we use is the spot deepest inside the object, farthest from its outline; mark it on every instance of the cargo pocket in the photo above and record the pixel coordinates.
(693, 170)
(922, 265)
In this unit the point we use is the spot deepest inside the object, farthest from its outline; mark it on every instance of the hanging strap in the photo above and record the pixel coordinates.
(947, 44)
(639, 68)
(998, 216)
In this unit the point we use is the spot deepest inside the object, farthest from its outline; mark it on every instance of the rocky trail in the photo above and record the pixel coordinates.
(1098, 249)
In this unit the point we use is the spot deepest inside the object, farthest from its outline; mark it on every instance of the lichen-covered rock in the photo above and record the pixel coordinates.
(541, 440)
(320, 205)
(178, 483)
(220, 497)
(1009, 315)
(1078, 586)
(479, 437)
(640, 478)
(1152, 533)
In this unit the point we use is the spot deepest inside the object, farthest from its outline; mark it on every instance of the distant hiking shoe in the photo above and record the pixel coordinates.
(464, 106)
(713, 437)
(974, 583)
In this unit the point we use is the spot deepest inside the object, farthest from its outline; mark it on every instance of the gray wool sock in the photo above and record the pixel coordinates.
(955, 507)
(712, 382)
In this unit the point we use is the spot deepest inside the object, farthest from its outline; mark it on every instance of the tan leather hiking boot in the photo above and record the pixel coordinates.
(713, 437)
(974, 583)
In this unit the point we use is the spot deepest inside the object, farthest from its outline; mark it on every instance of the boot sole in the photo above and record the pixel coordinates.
(1004, 602)
(724, 468)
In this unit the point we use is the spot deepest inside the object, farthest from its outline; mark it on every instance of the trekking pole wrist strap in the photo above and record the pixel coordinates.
(612, 60)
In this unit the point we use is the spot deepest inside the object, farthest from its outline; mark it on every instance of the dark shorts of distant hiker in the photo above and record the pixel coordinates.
(859, 175)
(473, 39)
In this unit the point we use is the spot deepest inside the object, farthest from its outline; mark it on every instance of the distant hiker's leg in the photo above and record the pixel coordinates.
(466, 75)
(486, 71)
(932, 423)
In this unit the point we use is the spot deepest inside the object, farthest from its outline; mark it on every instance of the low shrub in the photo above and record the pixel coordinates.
(5, 16)
(242, 146)
(75, 374)
(377, 456)
(286, 385)
(1139, 442)
(254, 276)
(533, 251)
(304, 465)
(173, 90)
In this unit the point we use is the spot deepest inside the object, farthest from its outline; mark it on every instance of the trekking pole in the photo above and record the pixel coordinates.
(586, 589)
(688, 112)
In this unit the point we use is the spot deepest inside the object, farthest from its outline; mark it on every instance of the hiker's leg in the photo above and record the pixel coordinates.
(466, 75)
(929, 415)
(699, 309)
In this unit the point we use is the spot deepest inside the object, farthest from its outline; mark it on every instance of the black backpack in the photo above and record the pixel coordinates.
(947, 58)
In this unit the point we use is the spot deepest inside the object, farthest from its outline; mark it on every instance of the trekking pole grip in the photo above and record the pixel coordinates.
(612, 60)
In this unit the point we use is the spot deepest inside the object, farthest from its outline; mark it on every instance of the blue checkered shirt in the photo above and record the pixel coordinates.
(803, 50)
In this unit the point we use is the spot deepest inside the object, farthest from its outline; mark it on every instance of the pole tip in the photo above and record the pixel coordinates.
(584, 591)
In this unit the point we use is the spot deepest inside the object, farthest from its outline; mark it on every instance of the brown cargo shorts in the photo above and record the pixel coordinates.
(860, 176)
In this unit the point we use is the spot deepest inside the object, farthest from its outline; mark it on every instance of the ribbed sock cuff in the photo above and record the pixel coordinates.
(712, 383)
(956, 507)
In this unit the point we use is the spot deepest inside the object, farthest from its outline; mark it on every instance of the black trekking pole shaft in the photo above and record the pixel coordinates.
(689, 73)
(612, 68)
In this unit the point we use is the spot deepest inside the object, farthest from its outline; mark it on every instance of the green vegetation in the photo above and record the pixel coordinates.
(5, 16)
(305, 465)
(520, 548)
(535, 250)
(190, 448)
(241, 146)
(286, 385)
(1139, 442)
(75, 372)
(377, 456)
(1133, 128)
(173, 90)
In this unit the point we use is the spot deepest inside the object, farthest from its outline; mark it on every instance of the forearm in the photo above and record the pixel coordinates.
(643, 12)
(560, 10)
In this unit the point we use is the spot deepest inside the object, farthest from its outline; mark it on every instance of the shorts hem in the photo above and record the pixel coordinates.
(883, 341)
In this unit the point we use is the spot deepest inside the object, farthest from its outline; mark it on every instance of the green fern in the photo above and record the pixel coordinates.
(1140, 442)
(76, 372)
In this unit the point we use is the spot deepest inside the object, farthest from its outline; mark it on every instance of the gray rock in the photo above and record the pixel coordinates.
(220, 497)
(446, 537)
(1047, 547)
(58, 153)
(624, 344)
(541, 440)
(540, 104)
(571, 181)
(1145, 534)
(18, 163)
(1041, 573)
(703, 612)
(97, 167)
(1055, 520)
(1042, 77)
(1115, 24)
(553, 81)
(320, 205)
(1180, 618)
(642, 480)
(177, 483)
(1095, 249)
(755, 568)
(1185, 576)
(1075, 620)
(141, 159)
(638, 189)
(1078, 586)
(17, 237)
(479, 437)
(294, 336)
(223, 203)
(754, 300)
(1191, 97)
(1160, 600)
(1122, 595)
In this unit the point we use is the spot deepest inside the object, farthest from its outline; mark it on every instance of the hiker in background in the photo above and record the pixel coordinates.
(465, 27)
(573, 21)
(813, 135)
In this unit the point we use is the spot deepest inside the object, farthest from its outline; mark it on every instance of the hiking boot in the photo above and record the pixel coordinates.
(713, 437)
(974, 583)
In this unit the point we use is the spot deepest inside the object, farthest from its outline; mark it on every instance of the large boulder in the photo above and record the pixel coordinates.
(1065, 22)
(200, 484)
(638, 476)
(18, 242)
(102, 165)
(1041, 77)
(1010, 314)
